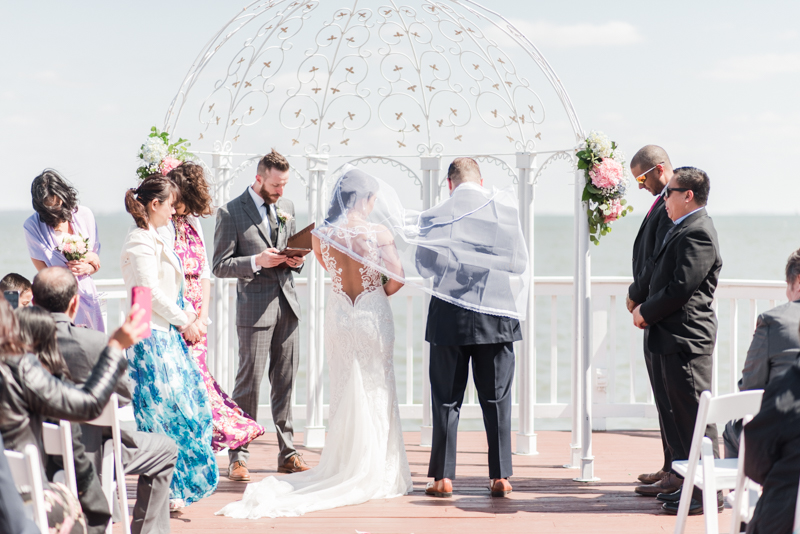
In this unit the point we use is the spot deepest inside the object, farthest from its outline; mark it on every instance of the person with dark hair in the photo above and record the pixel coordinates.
(170, 396)
(151, 456)
(683, 325)
(251, 231)
(17, 282)
(29, 394)
(232, 427)
(57, 217)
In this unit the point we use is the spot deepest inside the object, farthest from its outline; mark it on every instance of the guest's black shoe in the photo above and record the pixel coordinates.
(675, 496)
(695, 506)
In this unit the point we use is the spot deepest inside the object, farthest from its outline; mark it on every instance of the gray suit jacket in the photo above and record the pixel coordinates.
(239, 234)
(774, 347)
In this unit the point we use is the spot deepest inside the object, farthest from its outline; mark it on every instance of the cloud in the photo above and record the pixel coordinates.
(612, 33)
(751, 67)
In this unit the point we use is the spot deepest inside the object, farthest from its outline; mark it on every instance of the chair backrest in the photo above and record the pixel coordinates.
(51, 438)
(57, 441)
(27, 472)
(796, 529)
(733, 406)
(109, 415)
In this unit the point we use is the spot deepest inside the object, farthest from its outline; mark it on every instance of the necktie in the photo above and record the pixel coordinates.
(669, 233)
(653, 206)
(273, 224)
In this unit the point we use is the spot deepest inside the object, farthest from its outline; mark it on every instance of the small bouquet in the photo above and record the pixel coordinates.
(604, 166)
(158, 155)
(74, 247)
(283, 217)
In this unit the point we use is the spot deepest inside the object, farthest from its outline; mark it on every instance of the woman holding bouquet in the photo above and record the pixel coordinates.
(232, 427)
(170, 397)
(63, 234)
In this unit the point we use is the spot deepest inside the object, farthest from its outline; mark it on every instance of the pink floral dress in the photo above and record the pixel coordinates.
(232, 427)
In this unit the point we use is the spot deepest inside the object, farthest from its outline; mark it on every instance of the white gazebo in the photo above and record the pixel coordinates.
(404, 85)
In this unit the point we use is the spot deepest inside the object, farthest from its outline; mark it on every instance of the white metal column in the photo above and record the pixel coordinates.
(222, 367)
(430, 166)
(526, 438)
(315, 429)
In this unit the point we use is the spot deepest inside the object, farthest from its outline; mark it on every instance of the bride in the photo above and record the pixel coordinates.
(364, 457)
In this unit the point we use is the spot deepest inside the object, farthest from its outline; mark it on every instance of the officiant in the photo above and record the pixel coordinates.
(470, 246)
(250, 232)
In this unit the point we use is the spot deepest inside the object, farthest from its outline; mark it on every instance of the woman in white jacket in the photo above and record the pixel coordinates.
(170, 397)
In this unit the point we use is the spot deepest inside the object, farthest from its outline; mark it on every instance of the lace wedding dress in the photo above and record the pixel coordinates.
(364, 457)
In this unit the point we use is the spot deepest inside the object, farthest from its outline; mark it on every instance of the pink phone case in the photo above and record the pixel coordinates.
(141, 295)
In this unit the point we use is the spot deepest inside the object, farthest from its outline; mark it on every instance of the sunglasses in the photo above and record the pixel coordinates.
(669, 190)
(642, 177)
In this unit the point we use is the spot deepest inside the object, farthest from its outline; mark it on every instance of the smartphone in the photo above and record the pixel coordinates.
(12, 297)
(142, 296)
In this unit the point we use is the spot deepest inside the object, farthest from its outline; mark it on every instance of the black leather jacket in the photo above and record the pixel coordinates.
(29, 394)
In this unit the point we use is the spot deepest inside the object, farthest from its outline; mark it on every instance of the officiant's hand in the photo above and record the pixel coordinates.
(271, 257)
(295, 262)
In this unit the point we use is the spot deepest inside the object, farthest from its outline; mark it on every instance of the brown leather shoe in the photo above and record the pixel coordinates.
(294, 464)
(668, 484)
(500, 487)
(651, 478)
(440, 488)
(238, 471)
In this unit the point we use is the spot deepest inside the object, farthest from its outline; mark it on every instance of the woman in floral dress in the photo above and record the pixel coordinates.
(232, 427)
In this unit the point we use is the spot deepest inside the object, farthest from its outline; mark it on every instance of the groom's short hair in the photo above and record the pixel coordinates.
(464, 169)
(649, 156)
(695, 180)
(273, 160)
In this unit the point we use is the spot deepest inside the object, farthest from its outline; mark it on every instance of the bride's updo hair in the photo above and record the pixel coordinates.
(154, 187)
(350, 188)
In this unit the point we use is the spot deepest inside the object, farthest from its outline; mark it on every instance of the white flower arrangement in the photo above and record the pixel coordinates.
(600, 144)
(74, 247)
(159, 156)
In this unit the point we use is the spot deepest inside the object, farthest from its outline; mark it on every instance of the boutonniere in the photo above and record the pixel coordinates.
(283, 217)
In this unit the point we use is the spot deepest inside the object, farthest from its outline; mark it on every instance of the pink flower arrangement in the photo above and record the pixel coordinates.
(167, 164)
(613, 212)
(74, 247)
(606, 174)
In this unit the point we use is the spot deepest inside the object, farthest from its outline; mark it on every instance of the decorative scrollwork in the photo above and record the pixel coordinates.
(500, 163)
(380, 159)
(561, 155)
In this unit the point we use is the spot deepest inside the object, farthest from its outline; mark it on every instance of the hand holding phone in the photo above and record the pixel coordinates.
(143, 297)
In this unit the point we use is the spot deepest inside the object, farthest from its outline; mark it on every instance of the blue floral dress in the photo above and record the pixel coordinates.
(170, 398)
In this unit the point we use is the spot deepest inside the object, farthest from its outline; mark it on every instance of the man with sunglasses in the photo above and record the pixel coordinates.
(682, 323)
(652, 170)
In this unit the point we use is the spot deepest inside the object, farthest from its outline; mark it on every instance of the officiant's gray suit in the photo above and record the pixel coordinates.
(267, 311)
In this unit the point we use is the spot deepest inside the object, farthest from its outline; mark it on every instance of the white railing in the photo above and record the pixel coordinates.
(620, 390)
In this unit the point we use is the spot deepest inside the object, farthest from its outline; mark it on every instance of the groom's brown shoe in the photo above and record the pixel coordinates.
(440, 488)
(293, 464)
(238, 471)
(652, 478)
(500, 487)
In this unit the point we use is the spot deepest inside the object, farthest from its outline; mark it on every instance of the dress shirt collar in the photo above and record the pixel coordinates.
(256, 197)
(681, 219)
(467, 185)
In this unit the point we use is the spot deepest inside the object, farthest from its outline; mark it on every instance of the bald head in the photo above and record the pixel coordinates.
(649, 156)
(54, 288)
(463, 170)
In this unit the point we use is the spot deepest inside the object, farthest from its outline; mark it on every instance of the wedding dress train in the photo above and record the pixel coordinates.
(364, 457)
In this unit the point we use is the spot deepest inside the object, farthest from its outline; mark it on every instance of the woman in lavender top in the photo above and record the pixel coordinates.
(58, 215)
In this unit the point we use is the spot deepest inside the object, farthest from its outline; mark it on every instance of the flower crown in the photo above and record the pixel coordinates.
(158, 155)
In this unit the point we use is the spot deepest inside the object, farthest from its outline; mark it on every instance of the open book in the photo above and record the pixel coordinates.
(300, 243)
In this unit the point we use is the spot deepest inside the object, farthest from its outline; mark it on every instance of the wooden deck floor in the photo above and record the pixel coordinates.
(545, 498)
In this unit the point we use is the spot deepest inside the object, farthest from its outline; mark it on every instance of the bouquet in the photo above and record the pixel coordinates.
(158, 155)
(604, 167)
(74, 247)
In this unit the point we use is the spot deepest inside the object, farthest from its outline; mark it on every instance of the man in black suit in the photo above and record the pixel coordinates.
(683, 326)
(151, 456)
(652, 170)
(458, 335)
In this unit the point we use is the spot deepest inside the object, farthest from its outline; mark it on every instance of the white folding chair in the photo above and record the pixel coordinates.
(27, 472)
(112, 462)
(796, 529)
(57, 441)
(715, 474)
(746, 493)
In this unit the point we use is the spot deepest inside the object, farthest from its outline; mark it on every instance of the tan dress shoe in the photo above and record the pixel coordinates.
(651, 478)
(238, 471)
(668, 484)
(500, 487)
(293, 464)
(440, 488)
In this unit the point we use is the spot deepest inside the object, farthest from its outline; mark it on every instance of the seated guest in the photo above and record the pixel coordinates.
(38, 333)
(773, 454)
(17, 282)
(151, 456)
(773, 350)
(12, 509)
(29, 394)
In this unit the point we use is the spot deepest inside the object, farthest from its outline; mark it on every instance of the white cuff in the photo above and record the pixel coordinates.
(253, 265)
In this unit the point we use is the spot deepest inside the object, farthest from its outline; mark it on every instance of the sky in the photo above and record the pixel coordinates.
(715, 83)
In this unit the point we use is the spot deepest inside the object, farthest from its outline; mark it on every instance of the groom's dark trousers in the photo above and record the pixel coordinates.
(456, 336)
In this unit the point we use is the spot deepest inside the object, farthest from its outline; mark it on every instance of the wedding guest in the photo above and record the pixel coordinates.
(57, 216)
(17, 282)
(232, 427)
(29, 394)
(170, 396)
(38, 333)
(151, 456)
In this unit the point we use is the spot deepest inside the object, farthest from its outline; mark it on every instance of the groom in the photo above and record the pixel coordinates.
(251, 231)
(458, 335)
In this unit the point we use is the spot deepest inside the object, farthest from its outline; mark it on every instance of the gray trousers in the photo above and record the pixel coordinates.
(152, 457)
(279, 344)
